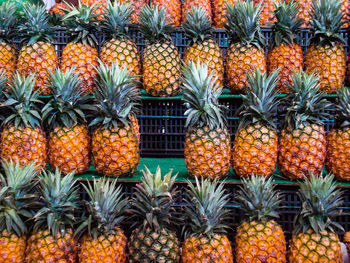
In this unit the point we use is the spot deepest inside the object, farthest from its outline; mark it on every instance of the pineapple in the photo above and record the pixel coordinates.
(255, 145)
(136, 5)
(259, 238)
(205, 229)
(37, 55)
(100, 7)
(115, 143)
(23, 139)
(267, 14)
(81, 53)
(161, 59)
(53, 239)
(326, 54)
(220, 11)
(172, 10)
(119, 48)
(153, 239)
(302, 141)
(285, 53)
(207, 141)
(338, 139)
(187, 6)
(203, 47)
(246, 49)
(314, 239)
(16, 202)
(68, 138)
(102, 238)
(8, 53)
(58, 9)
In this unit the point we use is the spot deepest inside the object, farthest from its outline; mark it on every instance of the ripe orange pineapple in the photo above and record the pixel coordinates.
(115, 143)
(255, 145)
(220, 11)
(8, 53)
(285, 53)
(205, 230)
(314, 239)
(267, 14)
(207, 141)
(161, 59)
(102, 238)
(172, 10)
(99, 7)
(203, 47)
(259, 238)
(58, 9)
(37, 55)
(23, 139)
(187, 6)
(68, 138)
(137, 6)
(245, 52)
(119, 48)
(16, 201)
(302, 141)
(52, 239)
(81, 53)
(326, 54)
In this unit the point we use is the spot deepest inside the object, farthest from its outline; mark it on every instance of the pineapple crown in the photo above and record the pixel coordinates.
(201, 96)
(3, 87)
(205, 211)
(20, 102)
(35, 25)
(326, 22)
(116, 22)
(320, 201)
(343, 108)
(288, 23)
(198, 26)
(152, 203)
(305, 104)
(105, 209)
(154, 24)
(58, 198)
(116, 96)
(8, 21)
(243, 23)
(81, 23)
(258, 198)
(260, 101)
(17, 197)
(68, 103)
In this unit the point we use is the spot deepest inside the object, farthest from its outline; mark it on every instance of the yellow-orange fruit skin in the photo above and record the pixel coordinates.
(201, 249)
(13, 248)
(302, 151)
(84, 59)
(8, 59)
(219, 11)
(58, 9)
(266, 16)
(287, 58)
(260, 242)
(255, 150)
(136, 5)
(39, 59)
(188, 4)
(69, 149)
(240, 61)
(329, 63)
(173, 10)
(101, 5)
(207, 152)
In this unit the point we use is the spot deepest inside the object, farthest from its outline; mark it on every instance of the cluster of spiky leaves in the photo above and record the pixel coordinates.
(20, 102)
(260, 101)
(3, 87)
(116, 22)
(116, 96)
(81, 23)
(58, 198)
(8, 21)
(152, 203)
(68, 103)
(205, 211)
(258, 198)
(17, 197)
(306, 104)
(198, 26)
(343, 108)
(320, 201)
(154, 24)
(35, 25)
(243, 23)
(287, 24)
(201, 93)
(105, 210)
(326, 22)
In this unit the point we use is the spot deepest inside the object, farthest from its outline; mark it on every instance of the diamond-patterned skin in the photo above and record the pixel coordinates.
(101, 5)
(8, 59)
(188, 4)
(173, 10)
(13, 247)
(219, 11)
(267, 16)
(137, 5)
